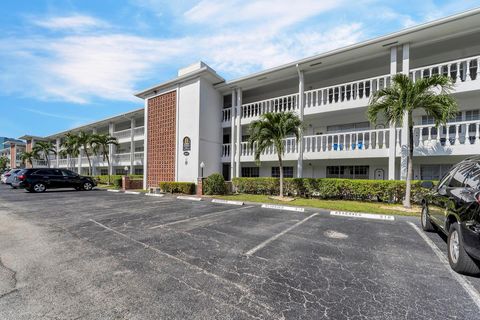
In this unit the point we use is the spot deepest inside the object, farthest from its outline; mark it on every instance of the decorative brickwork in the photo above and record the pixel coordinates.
(161, 138)
(13, 156)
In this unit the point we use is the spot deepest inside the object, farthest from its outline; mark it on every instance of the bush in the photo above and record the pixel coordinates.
(103, 179)
(326, 188)
(214, 184)
(177, 187)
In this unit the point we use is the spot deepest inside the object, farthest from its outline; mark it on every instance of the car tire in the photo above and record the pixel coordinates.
(39, 187)
(458, 258)
(425, 219)
(87, 186)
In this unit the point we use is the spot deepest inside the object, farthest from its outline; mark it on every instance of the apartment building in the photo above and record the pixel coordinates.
(12, 149)
(200, 118)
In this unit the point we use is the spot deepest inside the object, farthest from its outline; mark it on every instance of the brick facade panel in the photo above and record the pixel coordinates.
(161, 138)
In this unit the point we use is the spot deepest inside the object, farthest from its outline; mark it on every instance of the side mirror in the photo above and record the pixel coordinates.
(427, 184)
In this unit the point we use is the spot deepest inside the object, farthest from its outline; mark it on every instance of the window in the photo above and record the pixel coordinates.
(348, 172)
(138, 171)
(250, 172)
(68, 173)
(433, 171)
(43, 172)
(459, 176)
(103, 172)
(473, 177)
(287, 172)
(472, 115)
(119, 171)
(349, 127)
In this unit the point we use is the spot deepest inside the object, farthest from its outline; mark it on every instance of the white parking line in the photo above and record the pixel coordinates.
(189, 198)
(236, 203)
(362, 215)
(264, 243)
(466, 285)
(132, 192)
(199, 217)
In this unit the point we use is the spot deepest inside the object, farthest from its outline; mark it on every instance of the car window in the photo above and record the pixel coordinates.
(56, 172)
(473, 177)
(42, 172)
(68, 173)
(459, 175)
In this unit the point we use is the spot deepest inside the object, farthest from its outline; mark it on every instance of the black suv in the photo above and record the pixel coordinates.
(453, 207)
(39, 180)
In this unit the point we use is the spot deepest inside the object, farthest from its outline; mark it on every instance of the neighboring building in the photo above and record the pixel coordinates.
(12, 149)
(199, 117)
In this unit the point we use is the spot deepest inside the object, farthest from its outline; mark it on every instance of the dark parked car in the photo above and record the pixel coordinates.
(453, 207)
(39, 180)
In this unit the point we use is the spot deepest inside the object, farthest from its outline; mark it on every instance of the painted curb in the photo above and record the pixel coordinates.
(232, 202)
(189, 198)
(113, 190)
(278, 207)
(131, 192)
(362, 215)
(154, 194)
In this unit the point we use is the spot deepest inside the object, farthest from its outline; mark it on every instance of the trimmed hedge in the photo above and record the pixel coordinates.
(326, 188)
(214, 184)
(103, 179)
(177, 187)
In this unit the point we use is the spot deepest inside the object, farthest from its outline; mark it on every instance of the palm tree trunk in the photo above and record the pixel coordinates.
(408, 187)
(48, 160)
(89, 163)
(280, 163)
(108, 166)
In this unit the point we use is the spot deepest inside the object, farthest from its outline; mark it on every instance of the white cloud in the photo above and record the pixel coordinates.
(73, 22)
(55, 115)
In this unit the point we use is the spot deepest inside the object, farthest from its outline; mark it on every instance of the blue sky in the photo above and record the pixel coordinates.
(65, 63)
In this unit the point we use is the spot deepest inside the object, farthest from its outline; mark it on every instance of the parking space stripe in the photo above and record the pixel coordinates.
(264, 243)
(466, 285)
(198, 217)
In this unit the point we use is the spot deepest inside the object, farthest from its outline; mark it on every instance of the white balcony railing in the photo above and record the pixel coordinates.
(452, 134)
(123, 134)
(462, 70)
(63, 162)
(121, 158)
(278, 104)
(360, 90)
(139, 131)
(226, 114)
(226, 150)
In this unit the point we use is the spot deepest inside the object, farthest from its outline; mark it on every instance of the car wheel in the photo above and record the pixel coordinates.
(425, 219)
(39, 187)
(87, 186)
(458, 258)
(13, 187)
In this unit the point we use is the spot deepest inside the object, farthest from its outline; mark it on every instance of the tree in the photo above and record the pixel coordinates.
(29, 156)
(70, 147)
(45, 148)
(4, 161)
(271, 130)
(84, 140)
(432, 95)
(101, 143)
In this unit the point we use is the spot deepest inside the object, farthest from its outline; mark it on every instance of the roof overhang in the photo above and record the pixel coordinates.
(462, 23)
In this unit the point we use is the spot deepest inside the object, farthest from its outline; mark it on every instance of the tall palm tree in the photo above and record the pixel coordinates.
(45, 148)
(84, 140)
(29, 156)
(271, 130)
(70, 147)
(432, 95)
(101, 143)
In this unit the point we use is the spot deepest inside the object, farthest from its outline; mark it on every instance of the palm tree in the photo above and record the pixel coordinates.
(432, 95)
(84, 140)
(102, 142)
(70, 147)
(29, 156)
(271, 130)
(45, 148)
(4, 161)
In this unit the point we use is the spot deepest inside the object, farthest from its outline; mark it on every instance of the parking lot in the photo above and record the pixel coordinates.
(103, 255)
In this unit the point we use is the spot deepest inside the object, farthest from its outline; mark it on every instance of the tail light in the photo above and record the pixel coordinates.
(8, 174)
(477, 198)
(21, 177)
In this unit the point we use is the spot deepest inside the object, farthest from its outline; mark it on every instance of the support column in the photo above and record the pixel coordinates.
(301, 105)
(233, 120)
(79, 161)
(405, 135)
(393, 132)
(110, 148)
(57, 148)
(94, 158)
(239, 132)
(145, 144)
(132, 146)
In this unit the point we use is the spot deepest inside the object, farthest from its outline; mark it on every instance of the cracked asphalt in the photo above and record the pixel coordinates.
(102, 255)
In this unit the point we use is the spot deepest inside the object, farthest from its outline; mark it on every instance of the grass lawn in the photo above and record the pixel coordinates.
(340, 205)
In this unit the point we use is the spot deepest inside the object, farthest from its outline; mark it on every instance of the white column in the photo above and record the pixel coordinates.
(233, 120)
(111, 128)
(145, 144)
(301, 105)
(79, 161)
(392, 134)
(239, 131)
(132, 145)
(57, 148)
(405, 135)
(94, 158)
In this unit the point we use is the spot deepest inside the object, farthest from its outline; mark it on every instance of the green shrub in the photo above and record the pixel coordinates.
(326, 188)
(117, 182)
(103, 179)
(214, 184)
(177, 187)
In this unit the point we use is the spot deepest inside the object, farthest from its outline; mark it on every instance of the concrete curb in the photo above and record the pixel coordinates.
(232, 202)
(189, 198)
(113, 190)
(362, 215)
(279, 207)
(154, 194)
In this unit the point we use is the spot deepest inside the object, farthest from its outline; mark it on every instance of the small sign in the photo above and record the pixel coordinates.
(186, 153)
(187, 144)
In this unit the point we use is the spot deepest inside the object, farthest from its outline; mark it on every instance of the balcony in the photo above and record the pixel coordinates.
(465, 73)
(126, 135)
(226, 116)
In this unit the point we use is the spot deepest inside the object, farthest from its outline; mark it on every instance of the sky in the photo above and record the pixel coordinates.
(66, 63)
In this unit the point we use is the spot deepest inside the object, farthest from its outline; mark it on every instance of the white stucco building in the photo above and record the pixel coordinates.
(200, 117)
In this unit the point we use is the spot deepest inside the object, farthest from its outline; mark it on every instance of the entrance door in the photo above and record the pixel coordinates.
(226, 171)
